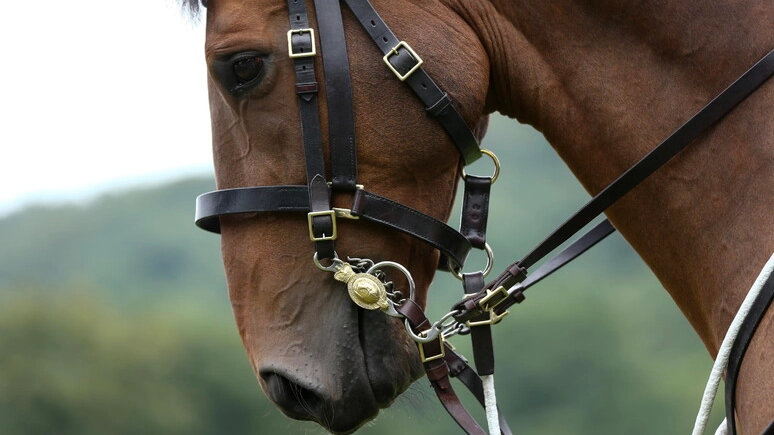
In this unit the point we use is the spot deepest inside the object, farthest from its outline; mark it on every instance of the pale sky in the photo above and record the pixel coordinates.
(98, 94)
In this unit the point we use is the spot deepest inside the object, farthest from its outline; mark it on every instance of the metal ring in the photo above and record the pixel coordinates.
(335, 263)
(432, 333)
(487, 269)
(412, 286)
(496, 162)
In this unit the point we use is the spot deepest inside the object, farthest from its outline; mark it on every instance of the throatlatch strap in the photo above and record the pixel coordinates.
(407, 66)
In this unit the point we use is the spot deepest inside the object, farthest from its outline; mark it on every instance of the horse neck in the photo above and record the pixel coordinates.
(605, 83)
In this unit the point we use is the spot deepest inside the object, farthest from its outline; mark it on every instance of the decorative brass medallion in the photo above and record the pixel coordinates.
(366, 290)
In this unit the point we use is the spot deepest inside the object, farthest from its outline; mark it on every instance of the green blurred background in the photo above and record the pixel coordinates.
(114, 319)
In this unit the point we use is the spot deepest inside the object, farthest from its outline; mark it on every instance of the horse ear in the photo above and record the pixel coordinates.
(192, 8)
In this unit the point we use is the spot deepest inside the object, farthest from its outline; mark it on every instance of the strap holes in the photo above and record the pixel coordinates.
(424, 86)
(373, 23)
(384, 38)
(298, 17)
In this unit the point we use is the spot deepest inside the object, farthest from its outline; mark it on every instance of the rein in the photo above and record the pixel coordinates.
(484, 304)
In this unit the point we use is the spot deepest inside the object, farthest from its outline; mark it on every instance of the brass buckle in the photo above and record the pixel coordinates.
(394, 52)
(425, 358)
(293, 54)
(344, 213)
(493, 298)
(494, 319)
(323, 238)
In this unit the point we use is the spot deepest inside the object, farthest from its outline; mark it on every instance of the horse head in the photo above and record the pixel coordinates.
(603, 81)
(317, 355)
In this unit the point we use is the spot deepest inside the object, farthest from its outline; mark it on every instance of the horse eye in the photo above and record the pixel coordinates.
(247, 69)
(241, 72)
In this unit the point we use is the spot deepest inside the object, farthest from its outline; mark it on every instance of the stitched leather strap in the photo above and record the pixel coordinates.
(370, 206)
(301, 42)
(436, 102)
(475, 209)
(481, 333)
(211, 205)
(338, 91)
(437, 370)
(459, 368)
(380, 209)
(677, 141)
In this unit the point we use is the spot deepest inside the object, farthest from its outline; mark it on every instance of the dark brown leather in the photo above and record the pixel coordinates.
(475, 209)
(338, 91)
(480, 335)
(438, 371)
(437, 102)
(735, 357)
(316, 195)
(380, 209)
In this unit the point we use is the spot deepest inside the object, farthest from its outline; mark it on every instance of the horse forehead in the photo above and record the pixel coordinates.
(240, 17)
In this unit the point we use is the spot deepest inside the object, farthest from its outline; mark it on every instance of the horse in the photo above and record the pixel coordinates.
(602, 81)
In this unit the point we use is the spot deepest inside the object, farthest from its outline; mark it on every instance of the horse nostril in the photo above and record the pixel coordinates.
(294, 400)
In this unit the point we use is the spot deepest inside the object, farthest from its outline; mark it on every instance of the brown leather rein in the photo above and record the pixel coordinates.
(485, 304)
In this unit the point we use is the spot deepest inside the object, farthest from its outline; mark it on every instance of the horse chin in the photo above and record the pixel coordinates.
(344, 373)
(387, 352)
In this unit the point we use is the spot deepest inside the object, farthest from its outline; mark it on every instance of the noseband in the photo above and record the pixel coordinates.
(485, 304)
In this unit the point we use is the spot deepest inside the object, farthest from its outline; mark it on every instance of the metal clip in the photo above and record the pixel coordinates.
(293, 54)
(395, 52)
(324, 237)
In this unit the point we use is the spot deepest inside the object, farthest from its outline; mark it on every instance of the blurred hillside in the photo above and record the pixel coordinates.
(114, 320)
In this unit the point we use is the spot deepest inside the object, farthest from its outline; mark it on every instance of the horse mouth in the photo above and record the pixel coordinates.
(365, 374)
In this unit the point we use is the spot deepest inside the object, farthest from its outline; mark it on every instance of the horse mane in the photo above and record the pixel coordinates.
(192, 8)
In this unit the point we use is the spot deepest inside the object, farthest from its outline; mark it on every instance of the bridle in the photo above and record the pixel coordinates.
(485, 304)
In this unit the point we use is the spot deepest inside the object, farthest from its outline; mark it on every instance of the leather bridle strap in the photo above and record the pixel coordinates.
(407, 66)
(743, 339)
(211, 206)
(301, 48)
(676, 142)
(440, 363)
(322, 218)
(338, 92)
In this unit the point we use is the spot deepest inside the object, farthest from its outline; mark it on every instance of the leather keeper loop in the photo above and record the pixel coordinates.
(439, 106)
(306, 88)
(475, 210)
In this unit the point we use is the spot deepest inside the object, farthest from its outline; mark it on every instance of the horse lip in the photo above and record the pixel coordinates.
(384, 389)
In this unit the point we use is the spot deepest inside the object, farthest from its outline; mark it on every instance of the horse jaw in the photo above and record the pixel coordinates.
(316, 354)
